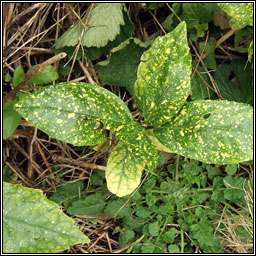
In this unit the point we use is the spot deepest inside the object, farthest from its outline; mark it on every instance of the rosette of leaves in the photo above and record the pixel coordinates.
(217, 132)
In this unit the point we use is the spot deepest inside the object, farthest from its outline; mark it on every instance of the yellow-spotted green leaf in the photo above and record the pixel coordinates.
(74, 112)
(103, 26)
(134, 136)
(218, 132)
(163, 77)
(34, 224)
(156, 142)
(123, 173)
(241, 14)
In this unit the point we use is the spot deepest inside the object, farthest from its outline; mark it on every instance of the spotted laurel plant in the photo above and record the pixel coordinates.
(211, 131)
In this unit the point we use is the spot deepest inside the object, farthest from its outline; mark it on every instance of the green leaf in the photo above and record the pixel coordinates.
(153, 229)
(34, 224)
(18, 76)
(123, 171)
(243, 37)
(200, 29)
(97, 178)
(126, 236)
(11, 119)
(235, 189)
(8, 174)
(138, 142)
(173, 248)
(68, 193)
(213, 171)
(241, 14)
(8, 78)
(163, 77)
(94, 53)
(169, 235)
(149, 184)
(72, 112)
(113, 207)
(167, 24)
(92, 204)
(103, 26)
(120, 69)
(143, 212)
(196, 13)
(148, 247)
(231, 169)
(235, 81)
(204, 233)
(153, 6)
(219, 132)
(47, 76)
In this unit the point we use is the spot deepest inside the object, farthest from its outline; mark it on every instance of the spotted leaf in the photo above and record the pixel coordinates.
(218, 132)
(34, 224)
(134, 136)
(74, 112)
(241, 14)
(124, 169)
(163, 77)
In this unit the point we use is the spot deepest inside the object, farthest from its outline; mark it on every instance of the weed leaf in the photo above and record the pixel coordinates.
(11, 119)
(103, 26)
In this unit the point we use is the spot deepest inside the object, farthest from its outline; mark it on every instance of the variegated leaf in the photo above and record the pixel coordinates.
(241, 14)
(218, 132)
(34, 224)
(163, 77)
(124, 169)
(134, 136)
(73, 112)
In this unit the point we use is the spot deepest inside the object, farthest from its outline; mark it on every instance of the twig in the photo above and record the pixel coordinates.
(201, 56)
(158, 23)
(37, 69)
(79, 163)
(97, 240)
(225, 37)
(86, 72)
(80, 41)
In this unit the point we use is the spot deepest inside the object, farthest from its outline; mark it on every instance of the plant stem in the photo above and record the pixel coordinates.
(177, 168)
(182, 240)
(37, 69)
(163, 228)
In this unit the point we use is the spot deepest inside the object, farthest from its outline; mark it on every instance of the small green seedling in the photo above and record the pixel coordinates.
(211, 131)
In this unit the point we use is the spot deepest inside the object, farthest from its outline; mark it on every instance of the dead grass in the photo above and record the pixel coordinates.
(236, 226)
